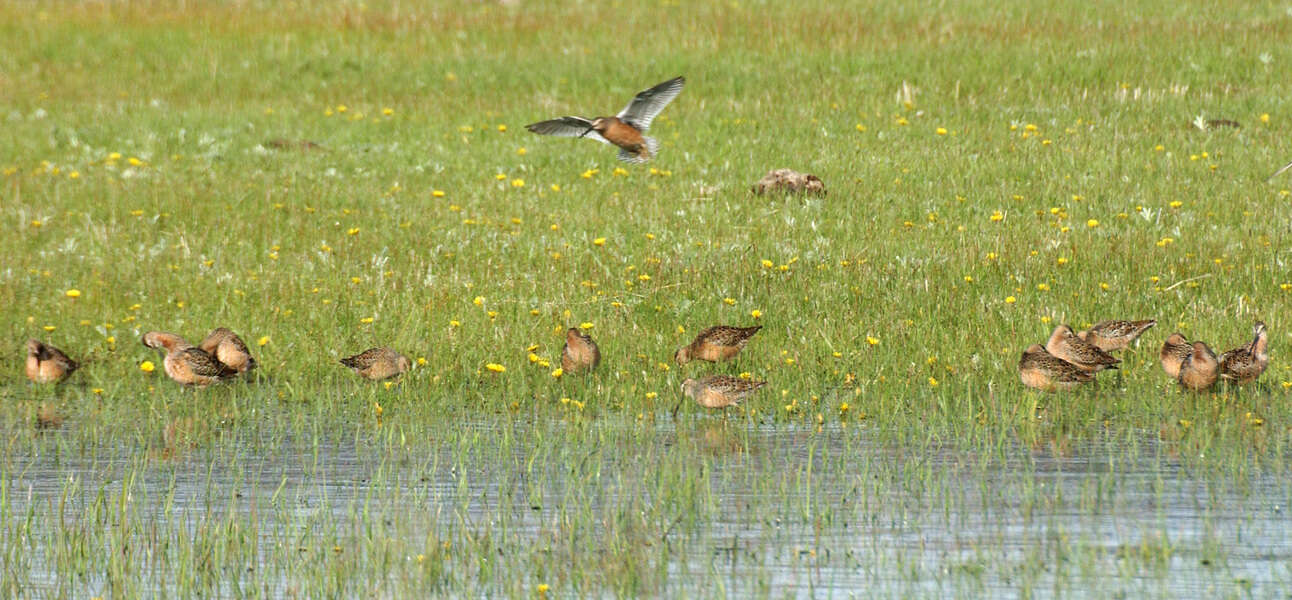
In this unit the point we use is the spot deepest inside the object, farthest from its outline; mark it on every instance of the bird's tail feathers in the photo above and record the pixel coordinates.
(652, 146)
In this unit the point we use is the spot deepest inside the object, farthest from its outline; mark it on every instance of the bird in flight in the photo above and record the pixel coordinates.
(626, 129)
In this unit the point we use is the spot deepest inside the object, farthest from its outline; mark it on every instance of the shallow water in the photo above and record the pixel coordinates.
(705, 508)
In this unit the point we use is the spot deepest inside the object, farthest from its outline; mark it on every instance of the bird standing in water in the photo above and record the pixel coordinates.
(626, 129)
(1200, 369)
(580, 353)
(1043, 371)
(1065, 344)
(225, 346)
(1246, 363)
(716, 344)
(376, 364)
(185, 363)
(718, 391)
(1174, 351)
(47, 364)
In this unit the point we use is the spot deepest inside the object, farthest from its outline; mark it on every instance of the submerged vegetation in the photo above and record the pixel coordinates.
(325, 179)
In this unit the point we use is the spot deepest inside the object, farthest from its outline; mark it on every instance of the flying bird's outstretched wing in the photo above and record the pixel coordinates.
(1279, 172)
(648, 104)
(567, 127)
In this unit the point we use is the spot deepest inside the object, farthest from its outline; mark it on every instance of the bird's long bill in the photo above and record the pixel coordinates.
(590, 128)
(676, 407)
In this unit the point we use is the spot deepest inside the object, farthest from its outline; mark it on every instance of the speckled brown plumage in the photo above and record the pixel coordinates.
(580, 353)
(789, 181)
(1111, 336)
(1065, 344)
(1174, 351)
(185, 363)
(229, 349)
(1246, 363)
(1043, 371)
(378, 363)
(47, 364)
(716, 344)
(720, 391)
(1200, 369)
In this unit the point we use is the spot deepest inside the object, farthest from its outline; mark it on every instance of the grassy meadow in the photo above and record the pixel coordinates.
(326, 177)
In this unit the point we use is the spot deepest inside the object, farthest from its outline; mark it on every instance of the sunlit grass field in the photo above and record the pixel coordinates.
(323, 178)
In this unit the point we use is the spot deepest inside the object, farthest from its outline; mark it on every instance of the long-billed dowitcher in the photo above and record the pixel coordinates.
(1043, 371)
(718, 391)
(580, 353)
(1111, 336)
(378, 363)
(229, 349)
(47, 364)
(185, 363)
(626, 129)
(1200, 369)
(1174, 351)
(1065, 344)
(1246, 363)
(716, 344)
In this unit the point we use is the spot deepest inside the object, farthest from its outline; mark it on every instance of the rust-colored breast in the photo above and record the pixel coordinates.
(1198, 377)
(50, 371)
(1035, 379)
(714, 352)
(178, 369)
(1172, 356)
(33, 369)
(711, 398)
(580, 356)
(1171, 364)
(233, 357)
(625, 136)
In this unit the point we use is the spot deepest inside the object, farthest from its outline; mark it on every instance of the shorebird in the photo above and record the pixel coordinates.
(1246, 363)
(47, 364)
(716, 344)
(626, 129)
(1111, 336)
(1064, 344)
(378, 363)
(1174, 351)
(229, 349)
(580, 352)
(718, 391)
(185, 363)
(1043, 371)
(1200, 369)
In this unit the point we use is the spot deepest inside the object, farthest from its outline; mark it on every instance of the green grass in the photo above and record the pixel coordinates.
(1056, 117)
